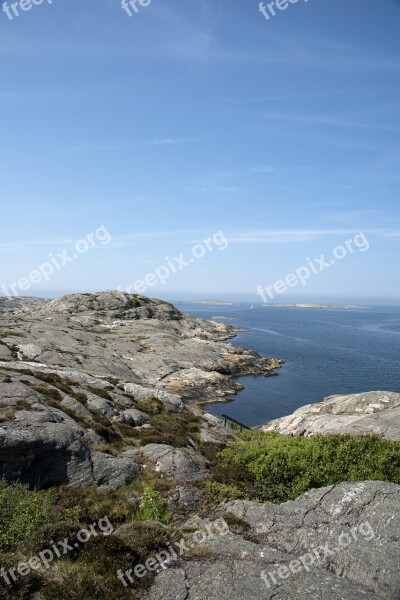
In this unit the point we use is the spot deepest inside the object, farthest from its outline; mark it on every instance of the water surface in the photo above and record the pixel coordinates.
(326, 352)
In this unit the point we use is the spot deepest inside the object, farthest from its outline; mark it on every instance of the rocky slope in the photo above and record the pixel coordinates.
(335, 543)
(75, 372)
(356, 414)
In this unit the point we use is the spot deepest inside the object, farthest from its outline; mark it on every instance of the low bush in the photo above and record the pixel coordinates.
(280, 468)
(151, 506)
(215, 493)
(22, 513)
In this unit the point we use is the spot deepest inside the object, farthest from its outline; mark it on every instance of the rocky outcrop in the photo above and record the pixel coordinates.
(133, 339)
(355, 414)
(81, 372)
(183, 464)
(335, 543)
(20, 304)
(171, 401)
(42, 446)
(111, 473)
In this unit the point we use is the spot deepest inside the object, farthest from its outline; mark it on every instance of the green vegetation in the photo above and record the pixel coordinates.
(22, 513)
(11, 333)
(30, 519)
(174, 429)
(215, 493)
(101, 392)
(275, 468)
(152, 507)
(256, 466)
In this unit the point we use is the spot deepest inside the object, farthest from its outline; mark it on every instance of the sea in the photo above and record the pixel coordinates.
(326, 351)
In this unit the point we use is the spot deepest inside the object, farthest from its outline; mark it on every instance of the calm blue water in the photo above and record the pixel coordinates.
(327, 352)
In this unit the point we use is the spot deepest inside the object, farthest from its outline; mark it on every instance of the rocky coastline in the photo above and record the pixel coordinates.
(100, 400)
(70, 366)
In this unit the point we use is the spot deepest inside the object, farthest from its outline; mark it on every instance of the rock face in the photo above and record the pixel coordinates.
(334, 543)
(173, 463)
(76, 373)
(41, 445)
(356, 414)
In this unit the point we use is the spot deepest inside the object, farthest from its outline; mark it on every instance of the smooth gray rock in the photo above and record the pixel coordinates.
(5, 352)
(77, 407)
(112, 473)
(28, 351)
(213, 430)
(353, 529)
(20, 304)
(187, 498)
(40, 445)
(176, 464)
(171, 402)
(138, 341)
(356, 414)
(96, 404)
(132, 416)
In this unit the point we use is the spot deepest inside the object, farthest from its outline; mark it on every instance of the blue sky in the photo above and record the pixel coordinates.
(192, 118)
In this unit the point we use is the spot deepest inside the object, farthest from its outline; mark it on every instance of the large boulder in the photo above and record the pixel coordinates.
(42, 446)
(171, 402)
(183, 464)
(112, 473)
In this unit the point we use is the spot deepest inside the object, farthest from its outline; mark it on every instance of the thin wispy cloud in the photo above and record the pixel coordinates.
(327, 121)
(298, 235)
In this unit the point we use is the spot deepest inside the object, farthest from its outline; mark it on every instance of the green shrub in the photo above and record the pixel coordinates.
(88, 505)
(215, 493)
(151, 507)
(22, 513)
(281, 468)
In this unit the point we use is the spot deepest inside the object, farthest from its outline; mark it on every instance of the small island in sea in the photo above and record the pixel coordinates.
(213, 302)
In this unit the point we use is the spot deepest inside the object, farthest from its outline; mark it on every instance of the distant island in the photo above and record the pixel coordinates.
(319, 306)
(213, 302)
(224, 318)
